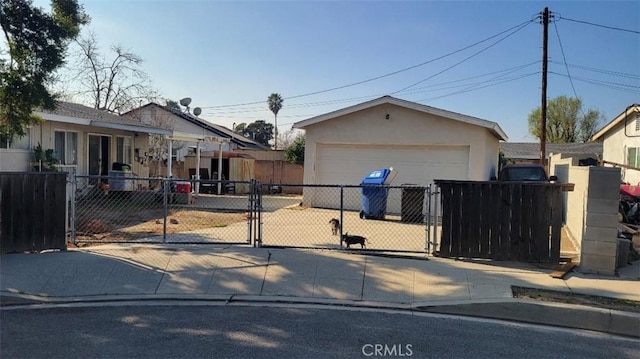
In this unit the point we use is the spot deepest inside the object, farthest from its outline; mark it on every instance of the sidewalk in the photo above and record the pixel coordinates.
(238, 273)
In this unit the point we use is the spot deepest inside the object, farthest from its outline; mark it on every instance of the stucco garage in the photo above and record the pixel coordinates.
(422, 143)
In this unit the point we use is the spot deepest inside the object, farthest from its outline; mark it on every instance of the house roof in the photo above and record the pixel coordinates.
(239, 140)
(531, 150)
(493, 127)
(626, 114)
(68, 112)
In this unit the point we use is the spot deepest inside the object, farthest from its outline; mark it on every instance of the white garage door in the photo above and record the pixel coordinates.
(349, 164)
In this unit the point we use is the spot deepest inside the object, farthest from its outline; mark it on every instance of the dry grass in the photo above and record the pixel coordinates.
(117, 226)
(575, 298)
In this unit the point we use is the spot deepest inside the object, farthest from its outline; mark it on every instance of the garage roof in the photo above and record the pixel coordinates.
(493, 127)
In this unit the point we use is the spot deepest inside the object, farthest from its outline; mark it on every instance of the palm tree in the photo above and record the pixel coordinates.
(275, 104)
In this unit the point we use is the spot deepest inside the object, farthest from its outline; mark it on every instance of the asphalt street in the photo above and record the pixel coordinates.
(196, 330)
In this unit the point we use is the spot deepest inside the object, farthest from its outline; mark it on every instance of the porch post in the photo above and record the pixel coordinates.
(197, 189)
(169, 174)
(220, 168)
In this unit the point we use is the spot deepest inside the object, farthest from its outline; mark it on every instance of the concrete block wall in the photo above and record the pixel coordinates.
(600, 240)
(591, 213)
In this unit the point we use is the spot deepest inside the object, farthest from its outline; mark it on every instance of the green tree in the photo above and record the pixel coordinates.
(566, 121)
(275, 104)
(172, 105)
(295, 152)
(259, 131)
(240, 128)
(36, 44)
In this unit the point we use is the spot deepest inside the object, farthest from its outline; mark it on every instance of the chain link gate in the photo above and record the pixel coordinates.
(160, 210)
(410, 222)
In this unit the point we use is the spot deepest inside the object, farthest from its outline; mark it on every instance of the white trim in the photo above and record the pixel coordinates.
(492, 126)
(185, 136)
(609, 126)
(96, 123)
(63, 119)
(132, 128)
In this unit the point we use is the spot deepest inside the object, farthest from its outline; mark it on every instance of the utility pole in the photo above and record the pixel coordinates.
(543, 107)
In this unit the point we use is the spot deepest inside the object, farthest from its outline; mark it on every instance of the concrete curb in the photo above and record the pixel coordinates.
(547, 313)
(517, 310)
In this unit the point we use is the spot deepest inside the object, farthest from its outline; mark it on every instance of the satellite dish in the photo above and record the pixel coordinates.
(197, 111)
(185, 101)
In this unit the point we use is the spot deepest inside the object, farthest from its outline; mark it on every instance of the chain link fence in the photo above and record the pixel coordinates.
(160, 210)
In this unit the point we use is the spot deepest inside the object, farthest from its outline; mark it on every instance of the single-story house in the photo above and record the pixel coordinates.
(173, 119)
(83, 139)
(620, 140)
(529, 152)
(422, 143)
(192, 135)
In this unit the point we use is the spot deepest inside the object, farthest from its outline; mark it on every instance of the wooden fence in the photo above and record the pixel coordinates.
(32, 211)
(519, 221)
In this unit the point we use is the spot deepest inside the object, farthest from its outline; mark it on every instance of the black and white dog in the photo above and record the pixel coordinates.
(349, 240)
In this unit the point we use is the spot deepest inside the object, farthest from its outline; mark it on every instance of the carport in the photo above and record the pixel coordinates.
(183, 136)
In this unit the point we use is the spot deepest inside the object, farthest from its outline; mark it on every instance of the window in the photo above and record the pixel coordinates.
(18, 143)
(123, 149)
(637, 121)
(66, 147)
(633, 157)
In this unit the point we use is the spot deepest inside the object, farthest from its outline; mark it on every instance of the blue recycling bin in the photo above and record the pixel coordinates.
(374, 198)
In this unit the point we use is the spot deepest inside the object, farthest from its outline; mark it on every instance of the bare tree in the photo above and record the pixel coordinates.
(287, 138)
(115, 84)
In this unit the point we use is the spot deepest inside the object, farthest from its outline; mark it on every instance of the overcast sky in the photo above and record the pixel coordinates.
(223, 54)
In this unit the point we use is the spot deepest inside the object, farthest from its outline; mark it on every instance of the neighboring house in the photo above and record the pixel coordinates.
(620, 140)
(162, 116)
(422, 143)
(529, 152)
(84, 139)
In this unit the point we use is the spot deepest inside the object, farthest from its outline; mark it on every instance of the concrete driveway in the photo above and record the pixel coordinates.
(270, 203)
(286, 223)
(309, 227)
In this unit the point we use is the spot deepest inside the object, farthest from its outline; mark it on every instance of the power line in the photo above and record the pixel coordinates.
(477, 85)
(613, 85)
(598, 25)
(481, 87)
(564, 58)
(508, 71)
(602, 71)
(522, 26)
(435, 87)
